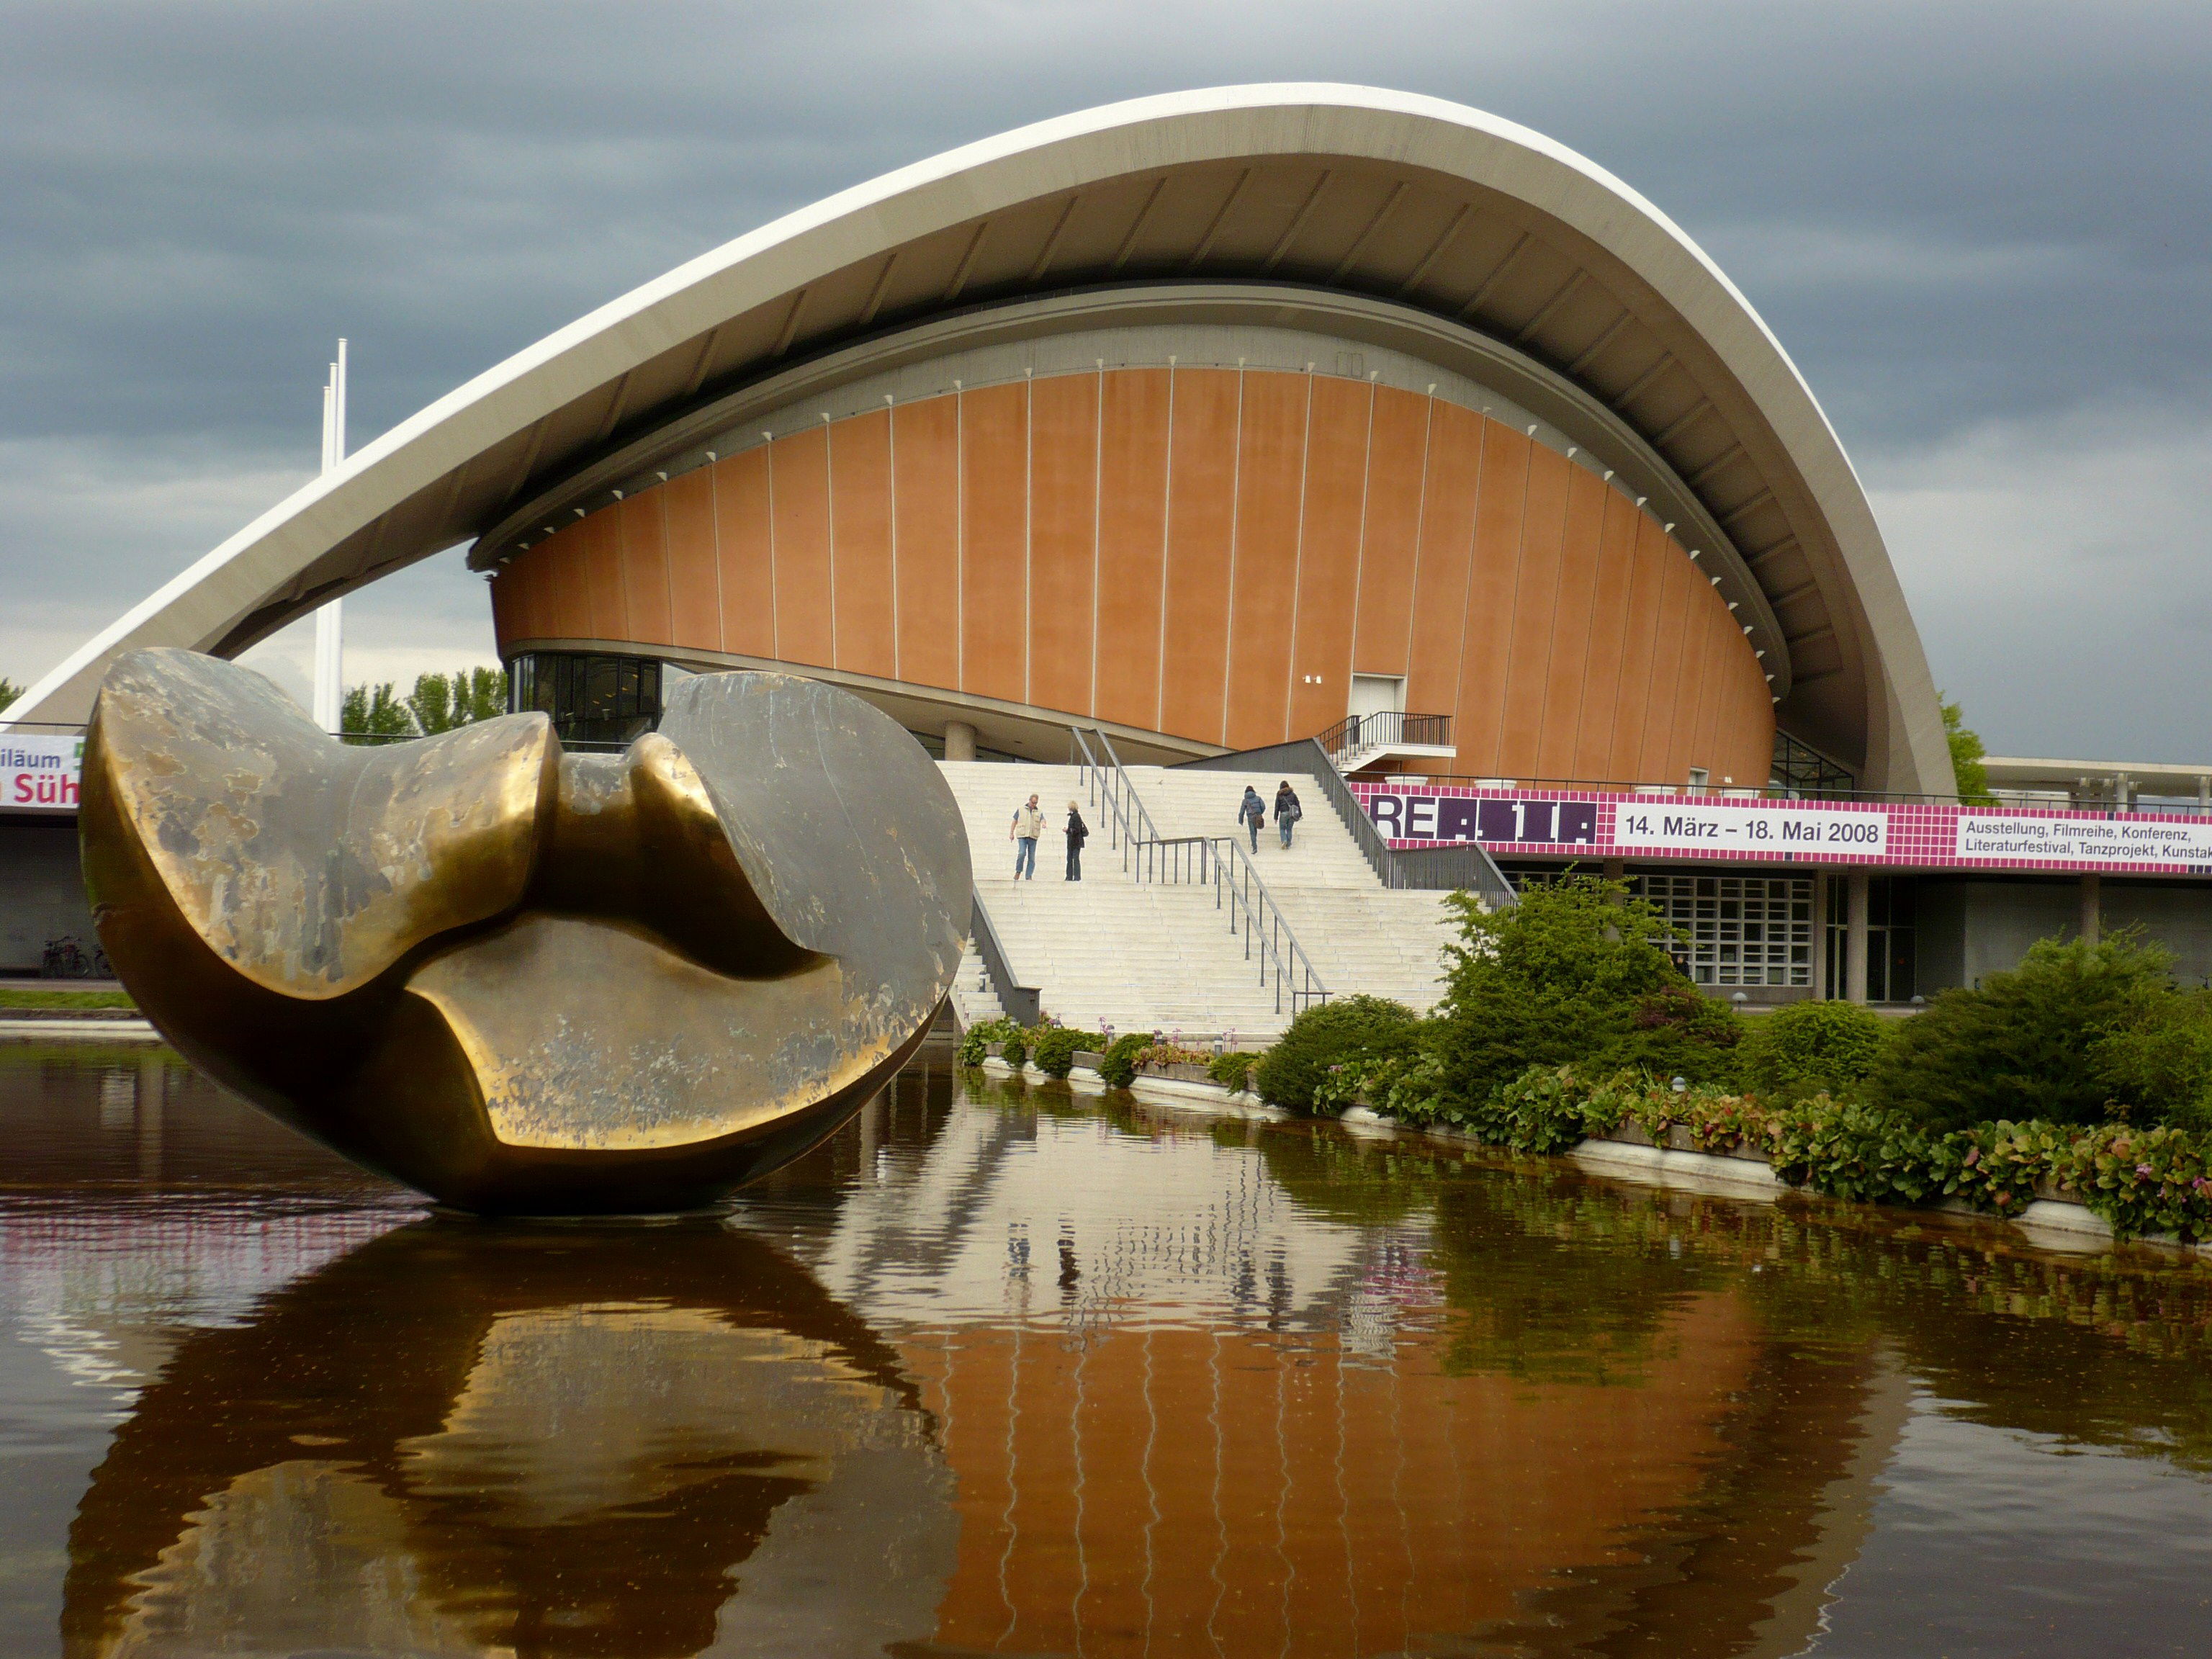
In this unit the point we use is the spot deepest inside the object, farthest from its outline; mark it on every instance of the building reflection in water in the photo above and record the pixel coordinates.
(1248, 1391)
(1016, 1375)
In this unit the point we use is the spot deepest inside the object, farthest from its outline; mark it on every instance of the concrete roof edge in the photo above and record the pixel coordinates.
(198, 606)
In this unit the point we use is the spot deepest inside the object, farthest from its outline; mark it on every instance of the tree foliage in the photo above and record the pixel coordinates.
(1967, 755)
(1328, 1035)
(1812, 1048)
(374, 714)
(9, 691)
(439, 702)
(1574, 974)
(2039, 1040)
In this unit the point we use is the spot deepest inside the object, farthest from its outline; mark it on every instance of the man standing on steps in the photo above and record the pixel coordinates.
(1287, 812)
(1252, 812)
(1029, 824)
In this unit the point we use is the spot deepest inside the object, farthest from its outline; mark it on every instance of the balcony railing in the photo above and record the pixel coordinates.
(1357, 738)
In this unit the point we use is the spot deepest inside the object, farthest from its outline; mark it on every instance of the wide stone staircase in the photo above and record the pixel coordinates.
(1361, 935)
(1108, 951)
(1112, 951)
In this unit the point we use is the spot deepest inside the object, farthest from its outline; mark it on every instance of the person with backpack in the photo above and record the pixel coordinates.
(1078, 833)
(1252, 812)
(1028, 826)
(1287, 812)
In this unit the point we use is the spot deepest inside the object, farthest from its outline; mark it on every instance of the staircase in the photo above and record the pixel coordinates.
(1107, 950)
(974, 999)
(1159, 956)
(1361, 936)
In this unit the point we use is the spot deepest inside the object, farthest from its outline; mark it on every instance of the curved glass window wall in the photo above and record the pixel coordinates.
(592, 700)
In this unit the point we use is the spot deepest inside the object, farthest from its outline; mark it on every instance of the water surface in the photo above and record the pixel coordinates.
(1005, 1369)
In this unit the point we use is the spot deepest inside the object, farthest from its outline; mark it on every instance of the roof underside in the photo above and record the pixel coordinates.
(1480, 258)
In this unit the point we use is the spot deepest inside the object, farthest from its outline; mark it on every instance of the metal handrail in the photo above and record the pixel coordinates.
(1281, 956)
(1255, 913)
(1384, 728)
(1113, 796)
(1022, 1003)
(1176, 861)
(1468, 866)
(1196, 860)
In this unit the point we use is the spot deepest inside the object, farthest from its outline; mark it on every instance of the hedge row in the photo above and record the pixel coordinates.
(2140, 1180)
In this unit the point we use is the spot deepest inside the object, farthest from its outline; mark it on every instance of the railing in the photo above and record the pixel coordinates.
(1189, 860)
(1443, 869)
(1356, 734)
(1113, 797)
(1283, 960)
(1022, 1002)
(1177, 860)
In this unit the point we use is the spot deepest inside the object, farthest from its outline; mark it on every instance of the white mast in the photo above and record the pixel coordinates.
(329, 620)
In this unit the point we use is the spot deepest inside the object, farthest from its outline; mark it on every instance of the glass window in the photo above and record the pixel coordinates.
(593, 700)
(1732, 930)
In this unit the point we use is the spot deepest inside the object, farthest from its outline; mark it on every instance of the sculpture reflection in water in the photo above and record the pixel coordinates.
(520, 980)
(582, 1440)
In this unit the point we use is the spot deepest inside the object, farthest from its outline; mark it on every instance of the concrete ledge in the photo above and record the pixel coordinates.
(1210, 1098)
(77, 1029)
(1718, 1168)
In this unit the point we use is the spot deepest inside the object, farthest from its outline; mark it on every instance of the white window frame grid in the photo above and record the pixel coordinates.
(1736, 930)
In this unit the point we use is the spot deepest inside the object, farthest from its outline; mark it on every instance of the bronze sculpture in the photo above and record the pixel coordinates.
(519, 979)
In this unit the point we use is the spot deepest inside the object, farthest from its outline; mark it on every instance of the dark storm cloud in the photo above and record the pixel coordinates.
(1959, 219)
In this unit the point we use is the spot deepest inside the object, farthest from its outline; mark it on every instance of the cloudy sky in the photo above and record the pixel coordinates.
(1981, 229)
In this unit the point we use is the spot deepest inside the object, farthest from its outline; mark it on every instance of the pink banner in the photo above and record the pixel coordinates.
(1735, 828)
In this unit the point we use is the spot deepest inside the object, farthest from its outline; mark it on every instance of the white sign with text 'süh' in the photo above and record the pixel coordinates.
(1680, 827)
(2118, 842)
(39, 774)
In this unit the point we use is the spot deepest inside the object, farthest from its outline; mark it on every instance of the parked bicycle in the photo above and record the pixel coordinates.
(65, 958)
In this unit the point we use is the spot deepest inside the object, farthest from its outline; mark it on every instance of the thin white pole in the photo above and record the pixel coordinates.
(329, 620)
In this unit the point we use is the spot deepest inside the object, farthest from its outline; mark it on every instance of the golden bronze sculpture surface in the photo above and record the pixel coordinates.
(519, 979)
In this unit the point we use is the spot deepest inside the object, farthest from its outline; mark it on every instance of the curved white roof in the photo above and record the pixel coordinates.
(1408, 201)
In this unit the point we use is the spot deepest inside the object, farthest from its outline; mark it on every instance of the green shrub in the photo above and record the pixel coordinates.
(2160, 1066)
(1848, 1150)
(2032, 1042)
(1118, 1064)
(1157, 1052)
(1054, 1051)
(1329, 1034)
(974, 1040)
(1676, 1030)
(1014, 1047)
(1232, 1070)
(1573, 974)
(1811, 1048)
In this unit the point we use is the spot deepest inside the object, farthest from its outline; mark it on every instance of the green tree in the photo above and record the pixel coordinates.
(2034, 1042)
(374, 714)
(1573, 974)
(1966, 756)
(440, 702)
(9, 691)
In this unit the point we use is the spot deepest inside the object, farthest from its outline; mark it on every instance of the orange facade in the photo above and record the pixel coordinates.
(1180, 1490)
(1207, 553)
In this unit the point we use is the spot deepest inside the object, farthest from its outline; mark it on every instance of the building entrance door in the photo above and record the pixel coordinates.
(1377, 693)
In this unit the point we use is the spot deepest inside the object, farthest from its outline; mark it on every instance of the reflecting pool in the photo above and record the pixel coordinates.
(1021, 1371)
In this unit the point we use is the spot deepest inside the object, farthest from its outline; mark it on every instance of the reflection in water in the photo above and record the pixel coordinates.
(1026, 1374)
(552, 1440)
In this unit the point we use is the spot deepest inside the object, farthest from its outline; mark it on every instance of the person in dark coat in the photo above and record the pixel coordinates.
(1078, 833)
(1252, 812)
(1287, 812)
